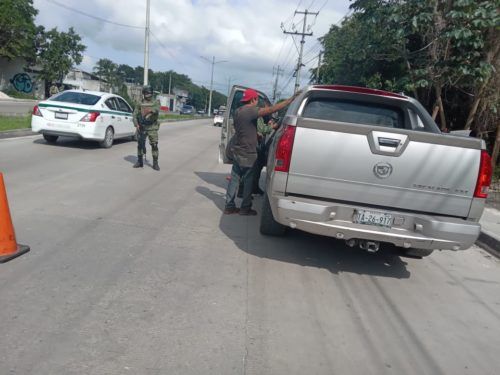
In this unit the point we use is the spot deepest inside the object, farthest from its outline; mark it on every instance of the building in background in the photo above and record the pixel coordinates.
(81, 80)
(167, 102)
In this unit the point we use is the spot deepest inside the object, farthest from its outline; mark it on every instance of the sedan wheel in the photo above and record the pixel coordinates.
(50, 138)
(108, 138)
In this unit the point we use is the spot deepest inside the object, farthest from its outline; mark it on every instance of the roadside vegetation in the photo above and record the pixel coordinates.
(444, 53)
(176, 116)
(119, 74)
(14, 122)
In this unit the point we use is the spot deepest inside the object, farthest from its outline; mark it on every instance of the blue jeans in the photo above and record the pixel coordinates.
(246, 175)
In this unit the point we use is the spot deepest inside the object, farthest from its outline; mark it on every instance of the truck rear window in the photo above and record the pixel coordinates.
(76, 98)
(355, 112)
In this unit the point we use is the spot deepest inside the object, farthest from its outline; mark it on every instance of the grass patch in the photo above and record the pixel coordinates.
(14, 122)
(175, 116)
(19, 95)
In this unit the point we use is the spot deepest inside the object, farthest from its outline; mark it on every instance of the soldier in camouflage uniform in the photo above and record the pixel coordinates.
(147, 125)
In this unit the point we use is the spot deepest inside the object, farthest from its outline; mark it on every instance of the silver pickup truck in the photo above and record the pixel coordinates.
(369, 167)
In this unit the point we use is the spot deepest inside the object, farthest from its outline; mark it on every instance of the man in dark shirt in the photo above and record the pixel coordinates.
(244, 150)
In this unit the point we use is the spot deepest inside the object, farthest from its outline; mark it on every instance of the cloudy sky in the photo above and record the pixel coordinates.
(246, 33)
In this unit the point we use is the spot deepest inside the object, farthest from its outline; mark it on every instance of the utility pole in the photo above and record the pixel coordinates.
(213, 62)
(146, 44)
(169, 83)
(319, 66)
(275, 88)
(302, 41)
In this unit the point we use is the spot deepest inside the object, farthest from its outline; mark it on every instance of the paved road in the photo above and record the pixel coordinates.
(16, 107)
(137, 272)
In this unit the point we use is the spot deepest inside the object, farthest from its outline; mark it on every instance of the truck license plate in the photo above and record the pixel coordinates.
(381, 219)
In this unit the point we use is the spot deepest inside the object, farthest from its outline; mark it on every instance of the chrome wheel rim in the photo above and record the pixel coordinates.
(109, 136)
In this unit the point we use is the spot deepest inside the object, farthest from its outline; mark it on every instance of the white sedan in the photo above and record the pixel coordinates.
(87, 115)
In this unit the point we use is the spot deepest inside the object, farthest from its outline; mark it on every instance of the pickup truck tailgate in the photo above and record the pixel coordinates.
(380, 167)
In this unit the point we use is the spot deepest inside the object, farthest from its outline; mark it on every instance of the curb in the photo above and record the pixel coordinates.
(16, 133)
(489, 242)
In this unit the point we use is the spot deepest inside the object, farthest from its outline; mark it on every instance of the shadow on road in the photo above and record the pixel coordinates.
(76, 143)
(299, 247)
(133, 158)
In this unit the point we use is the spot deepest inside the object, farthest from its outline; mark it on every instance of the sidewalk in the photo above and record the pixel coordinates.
(490, 231)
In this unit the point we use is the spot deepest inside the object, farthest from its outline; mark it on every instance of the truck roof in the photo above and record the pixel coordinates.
(359, 90)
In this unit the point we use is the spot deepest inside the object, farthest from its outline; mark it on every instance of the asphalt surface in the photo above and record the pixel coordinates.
(16, 107)
(138, 272)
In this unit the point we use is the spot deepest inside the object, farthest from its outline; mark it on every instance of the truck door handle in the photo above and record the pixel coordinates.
(389, 142)
(112, 116)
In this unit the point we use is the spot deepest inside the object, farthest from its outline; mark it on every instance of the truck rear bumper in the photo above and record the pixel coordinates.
(408, 229)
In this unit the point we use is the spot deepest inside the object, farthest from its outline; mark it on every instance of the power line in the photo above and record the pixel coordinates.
(286, 61)
(288, 81)
(164, 47)
(312, 59)
(92, 16)
(313, 49)
(321, 8)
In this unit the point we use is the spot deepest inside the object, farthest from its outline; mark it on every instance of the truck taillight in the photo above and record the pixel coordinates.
(484, 178)
(284, 149)
(36, 111)
(90, 117)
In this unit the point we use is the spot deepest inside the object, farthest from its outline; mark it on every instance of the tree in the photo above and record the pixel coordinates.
(444, 52)
(58, 52)
(17, 29)
(107, 70)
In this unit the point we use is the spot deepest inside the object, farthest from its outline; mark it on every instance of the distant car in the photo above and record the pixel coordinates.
(200, 112)
(219, 118)
(87, 115)
(187, 110)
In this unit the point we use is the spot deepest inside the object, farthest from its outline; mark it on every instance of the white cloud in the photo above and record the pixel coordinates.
(245, 32)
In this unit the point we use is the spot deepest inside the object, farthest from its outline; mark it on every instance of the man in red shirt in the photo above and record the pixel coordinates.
(244, 149)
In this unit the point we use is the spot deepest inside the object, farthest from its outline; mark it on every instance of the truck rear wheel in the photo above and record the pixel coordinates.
(268, 225)
(417, 253)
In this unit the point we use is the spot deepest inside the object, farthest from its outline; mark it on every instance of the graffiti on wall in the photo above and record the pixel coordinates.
(22, 82)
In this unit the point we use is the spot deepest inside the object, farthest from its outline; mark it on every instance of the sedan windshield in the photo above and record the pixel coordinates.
(76, 98)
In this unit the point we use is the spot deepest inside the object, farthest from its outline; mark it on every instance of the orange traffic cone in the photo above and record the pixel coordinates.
(9, 249)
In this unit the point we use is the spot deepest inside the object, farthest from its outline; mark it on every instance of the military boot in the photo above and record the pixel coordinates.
(156, 167)
(139, 163)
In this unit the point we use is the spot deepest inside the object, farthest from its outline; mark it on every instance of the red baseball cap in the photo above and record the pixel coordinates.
(248, 95)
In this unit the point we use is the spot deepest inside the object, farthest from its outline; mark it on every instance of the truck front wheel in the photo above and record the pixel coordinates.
(268, 225)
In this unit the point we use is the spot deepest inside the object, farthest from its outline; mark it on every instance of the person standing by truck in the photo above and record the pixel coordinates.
(244, 150)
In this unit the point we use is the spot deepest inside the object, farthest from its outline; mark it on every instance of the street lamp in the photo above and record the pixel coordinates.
(213, 62)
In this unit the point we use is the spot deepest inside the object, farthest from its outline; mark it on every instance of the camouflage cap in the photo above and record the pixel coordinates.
(147, 90)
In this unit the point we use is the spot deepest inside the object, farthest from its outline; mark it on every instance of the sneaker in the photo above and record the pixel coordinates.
(248, 212)
(231, 210)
